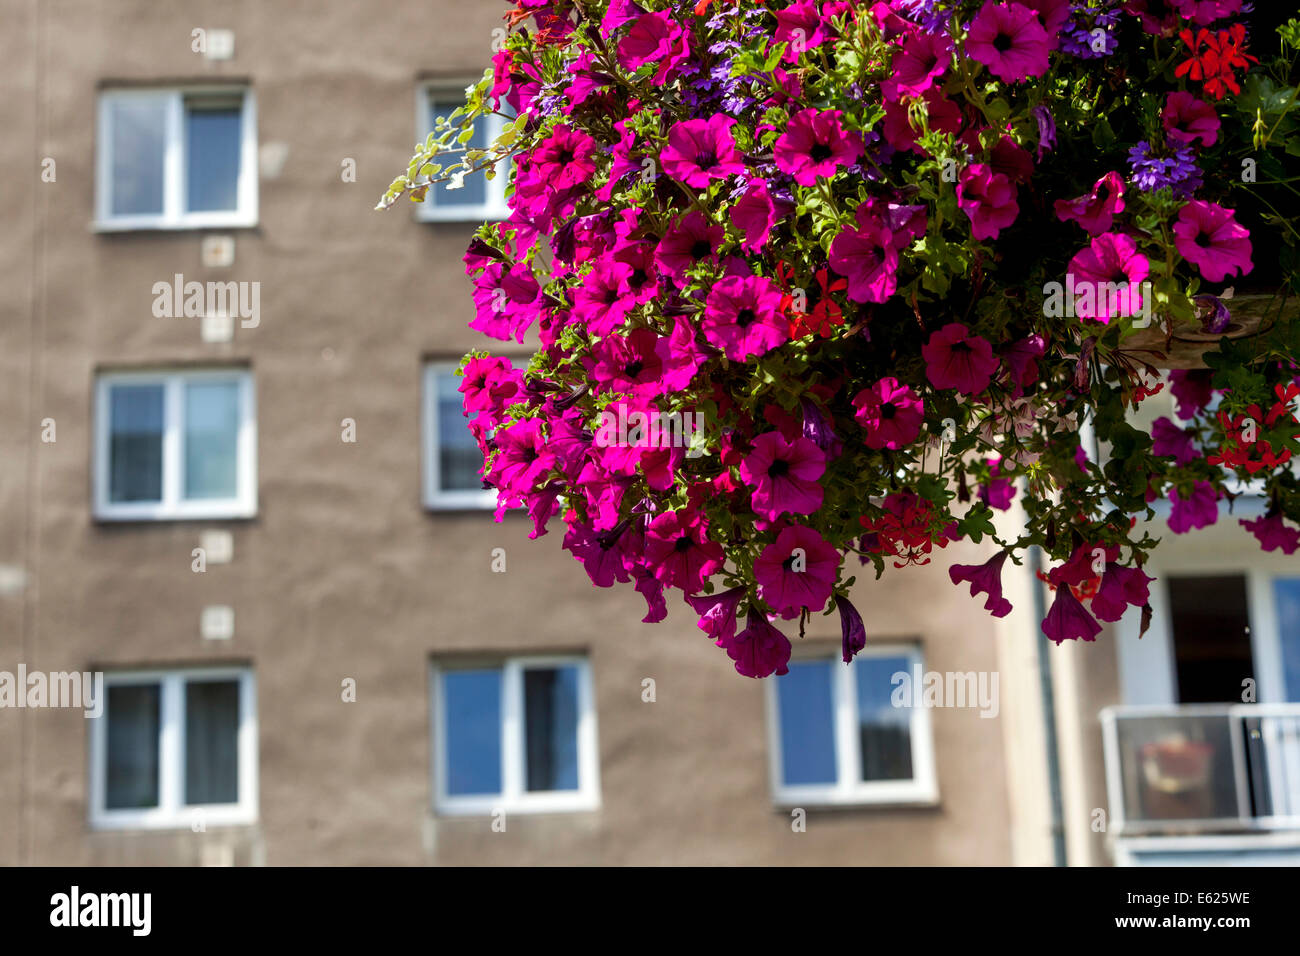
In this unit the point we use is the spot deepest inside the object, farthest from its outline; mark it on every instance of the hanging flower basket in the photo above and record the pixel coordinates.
(822, 285)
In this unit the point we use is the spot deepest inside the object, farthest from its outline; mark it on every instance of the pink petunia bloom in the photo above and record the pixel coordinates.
(523, 458)
(564, 159)
(923, 59)
(783, 476)
(891, 413)
(603, 300)
(1010, 40)
(760, 650)
(1273, 533)
(1096, 211)
(700, 151)
(1209, 237)
(1193, 389)
(655, 37)
(988, 198)
(679, 551)
(690, 239)
(754, 215)
(1052, 14)
(742, 316)
(1120, 587)
(797, 570)
(999, 492)
(942, 115)
(955, 358)
(1107, 277)
(632, 363)
(682, 356)
(813, 146)
(717, 613)
(868, 259)
(604, 562)
(1188, 119)
(505, 301)
(984, 579)
(1170, 441)
(489, 384)
(1199, 510)
(801, 27)
(1068, 620)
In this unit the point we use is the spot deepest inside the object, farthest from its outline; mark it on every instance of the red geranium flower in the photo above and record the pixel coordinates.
(1224, 52)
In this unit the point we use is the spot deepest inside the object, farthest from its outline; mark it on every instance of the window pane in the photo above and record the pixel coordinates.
(472, 712)
(135, 443)
(211, 742)
(459, 458)
(212, 149)
(884, 731)
(131, 763)
(1288, 624)
(1211, 629)
(138, 127)
(551, 727)
(211, 439)
(474, 192)
(807, 724)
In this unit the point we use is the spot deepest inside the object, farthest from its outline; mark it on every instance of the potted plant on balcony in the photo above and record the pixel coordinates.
(821, 284)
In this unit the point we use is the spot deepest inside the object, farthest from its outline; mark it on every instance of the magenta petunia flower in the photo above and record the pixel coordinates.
(813, 146)
(717, 613)
(942, 115)
(655, 38)
(1010, 40)
(1209, 237)
(1120, 587)
(505, 301)
(488, 384)
(690, 239)
(700, 151)
(1052, 14)
(754, 214)
(1068, 620)
(760, 650)
(984, 578)
(1188, 119)
(797, 570)
(1096, 211)
(1170, 441)
(922, 60)
(742, 316)
(955, 358)
(1198, 510)
(853, 636)
(867, 258)
(632, 363)
(891, 413)
(565, 158)
(604, 561)
(988, 198)
(603, 300)
(799, 26)
(1273, 534)
(523, 458)
(999, 492)
(679, 551)
(682, 356)
(783, 475)
(1107, 276)
(1193, 389)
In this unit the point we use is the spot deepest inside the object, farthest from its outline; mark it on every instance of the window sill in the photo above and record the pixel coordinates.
(489, 807)
(142, 225)
(920, 801)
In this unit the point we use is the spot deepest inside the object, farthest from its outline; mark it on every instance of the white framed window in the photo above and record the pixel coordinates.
(479, 199)
(173, 445)
(181, 158)
(175, 748)
(517, 735)
(836, 737)
(452, 459)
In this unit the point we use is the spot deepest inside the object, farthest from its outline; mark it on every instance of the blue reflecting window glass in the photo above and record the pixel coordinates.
(551, 728)
(212, 151)
(211, 440)
(807, 723)
(459, 458)
(472, 716)
(138, 145)
(135, 443)
(474, 192)
(884, 731)
(1288, 625)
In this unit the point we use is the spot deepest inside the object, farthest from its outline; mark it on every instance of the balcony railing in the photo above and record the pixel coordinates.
(1203, 768)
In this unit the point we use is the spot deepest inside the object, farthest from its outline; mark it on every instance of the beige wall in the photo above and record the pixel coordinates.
(342, 573)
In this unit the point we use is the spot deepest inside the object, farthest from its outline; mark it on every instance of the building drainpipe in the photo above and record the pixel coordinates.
(1049, 714)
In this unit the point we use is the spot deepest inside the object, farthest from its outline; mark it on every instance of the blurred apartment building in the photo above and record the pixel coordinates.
(259, 518)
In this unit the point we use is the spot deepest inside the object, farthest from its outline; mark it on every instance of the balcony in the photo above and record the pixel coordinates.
(1220, 782)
